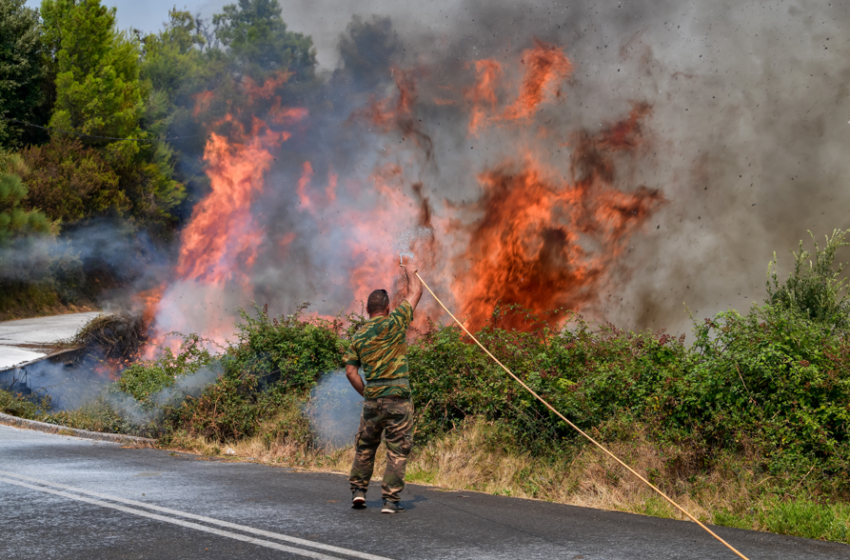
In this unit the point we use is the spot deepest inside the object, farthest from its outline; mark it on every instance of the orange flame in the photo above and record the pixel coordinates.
(149, 300)
(221, 236)
(546, 67)
(302, 186)
(202, 102)
(529, 247)
(489, 72)
(544, 241)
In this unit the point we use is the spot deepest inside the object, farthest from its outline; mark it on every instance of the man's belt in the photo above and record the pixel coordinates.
(400, 382)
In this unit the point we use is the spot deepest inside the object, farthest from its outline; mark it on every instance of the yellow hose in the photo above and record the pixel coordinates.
(579, 430)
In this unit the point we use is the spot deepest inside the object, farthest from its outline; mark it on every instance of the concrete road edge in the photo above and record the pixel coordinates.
(10, 420)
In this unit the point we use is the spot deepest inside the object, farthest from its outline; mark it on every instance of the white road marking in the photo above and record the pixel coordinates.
(210, 520)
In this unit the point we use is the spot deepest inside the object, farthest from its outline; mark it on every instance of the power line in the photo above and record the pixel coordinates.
(94, 136)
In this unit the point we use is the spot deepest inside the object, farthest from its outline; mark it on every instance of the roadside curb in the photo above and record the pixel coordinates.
(10, 420)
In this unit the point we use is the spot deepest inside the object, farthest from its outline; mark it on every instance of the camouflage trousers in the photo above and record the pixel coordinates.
(391, 417)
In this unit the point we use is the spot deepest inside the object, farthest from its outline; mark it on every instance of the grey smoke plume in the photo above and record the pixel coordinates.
(68, 388)
(749, 129)
(191, 385)
(103, 248)
(71, 387)
(334, 410)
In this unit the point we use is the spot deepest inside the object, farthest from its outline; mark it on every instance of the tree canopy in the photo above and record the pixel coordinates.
(22, 68)
(257, 36)
(97, 69)
(14, 219)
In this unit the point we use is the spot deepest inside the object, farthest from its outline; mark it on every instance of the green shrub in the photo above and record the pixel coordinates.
(143, 379)
(817, 291)
(97, 415)
(23, 407)
(272, 361)
(591, 377)
(292, 350)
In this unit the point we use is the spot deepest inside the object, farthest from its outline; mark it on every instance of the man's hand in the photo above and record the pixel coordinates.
(414, 285)
(354, 378)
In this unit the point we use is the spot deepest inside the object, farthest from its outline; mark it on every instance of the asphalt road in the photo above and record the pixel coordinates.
(68, 498)
(19, 340)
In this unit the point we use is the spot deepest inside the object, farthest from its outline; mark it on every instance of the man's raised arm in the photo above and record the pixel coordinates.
(414, 285)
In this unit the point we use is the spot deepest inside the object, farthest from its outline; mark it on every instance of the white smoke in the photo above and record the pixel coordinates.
(334, 410)
(68, 388)
(191, 385)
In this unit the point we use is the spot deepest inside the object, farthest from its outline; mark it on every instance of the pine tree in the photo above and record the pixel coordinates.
(14, 220)
(22, 68)
(97, 71)
(257, 36)
(99, 92)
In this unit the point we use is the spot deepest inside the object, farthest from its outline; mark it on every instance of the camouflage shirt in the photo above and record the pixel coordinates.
(379, 346)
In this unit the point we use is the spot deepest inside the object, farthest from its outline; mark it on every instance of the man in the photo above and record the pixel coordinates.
(379, 347)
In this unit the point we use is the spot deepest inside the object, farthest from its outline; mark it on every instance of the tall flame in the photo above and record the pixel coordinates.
(542, 235)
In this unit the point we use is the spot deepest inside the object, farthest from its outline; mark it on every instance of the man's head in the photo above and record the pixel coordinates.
(378, 303)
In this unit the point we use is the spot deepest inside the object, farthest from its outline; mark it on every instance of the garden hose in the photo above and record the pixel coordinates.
(579, 430)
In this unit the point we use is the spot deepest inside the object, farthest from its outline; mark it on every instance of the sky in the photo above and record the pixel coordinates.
(324, 20)
(149, 15)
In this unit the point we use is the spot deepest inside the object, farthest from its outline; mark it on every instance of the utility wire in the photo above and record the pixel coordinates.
(92, 135)
(579, 430)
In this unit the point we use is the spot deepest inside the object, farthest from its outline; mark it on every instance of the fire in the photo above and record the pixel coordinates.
(222, 236)
(220, 244)
(489, 73)
(202, 103)
(546, 67)
(541, 233)
(302, 186)
(530, 248)
(148, 300)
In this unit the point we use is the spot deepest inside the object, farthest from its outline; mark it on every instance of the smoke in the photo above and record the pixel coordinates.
(71, 385)
(744, 138)
(67, 387)
(151, 411)
(334, 410)
(115, 255)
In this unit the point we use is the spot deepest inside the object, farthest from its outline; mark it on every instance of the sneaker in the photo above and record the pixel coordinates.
(392, 507)
(358, 499)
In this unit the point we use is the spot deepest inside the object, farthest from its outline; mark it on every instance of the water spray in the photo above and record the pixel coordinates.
(576, 428)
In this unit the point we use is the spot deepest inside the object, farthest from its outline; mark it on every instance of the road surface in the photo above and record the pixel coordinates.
(68, 498)
(20, 340)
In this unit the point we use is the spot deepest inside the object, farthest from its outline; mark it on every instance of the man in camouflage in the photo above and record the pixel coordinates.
(379, 348)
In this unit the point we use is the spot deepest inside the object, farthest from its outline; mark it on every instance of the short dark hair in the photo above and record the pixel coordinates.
(378, 301)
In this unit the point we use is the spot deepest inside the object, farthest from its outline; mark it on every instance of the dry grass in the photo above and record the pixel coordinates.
(471, 459)
(474, 458)
(477, 457)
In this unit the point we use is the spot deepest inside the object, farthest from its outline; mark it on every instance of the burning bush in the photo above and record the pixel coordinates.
(772, 382)
(272, 360)
(114, 338)
(769, 389)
